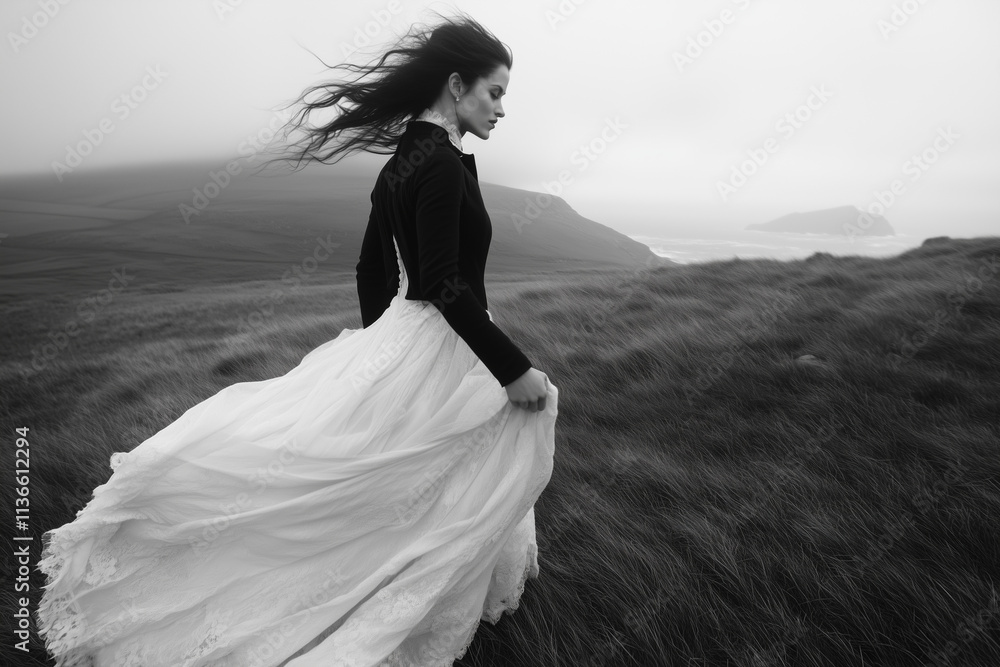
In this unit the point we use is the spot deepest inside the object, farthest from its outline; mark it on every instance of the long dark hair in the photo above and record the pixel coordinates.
(405, 80)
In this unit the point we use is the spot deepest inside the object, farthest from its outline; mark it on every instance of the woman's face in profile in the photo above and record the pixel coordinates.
(481, 106)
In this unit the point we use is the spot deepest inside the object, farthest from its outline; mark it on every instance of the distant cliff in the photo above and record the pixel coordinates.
(837, 221)
(532, 227)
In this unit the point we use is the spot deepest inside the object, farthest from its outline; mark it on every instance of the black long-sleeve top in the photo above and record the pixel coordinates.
(428, 196)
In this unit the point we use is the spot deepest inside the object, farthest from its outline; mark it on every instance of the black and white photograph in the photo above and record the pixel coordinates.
(454, 333)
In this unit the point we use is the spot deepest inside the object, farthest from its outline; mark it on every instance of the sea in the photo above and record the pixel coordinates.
(749, 244)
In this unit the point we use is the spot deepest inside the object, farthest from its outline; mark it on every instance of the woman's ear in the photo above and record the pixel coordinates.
(455, 84)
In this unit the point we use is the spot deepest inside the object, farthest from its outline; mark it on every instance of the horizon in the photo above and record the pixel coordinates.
(716, 126)
(723, 229)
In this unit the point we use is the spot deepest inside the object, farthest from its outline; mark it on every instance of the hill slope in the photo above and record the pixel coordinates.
(757, 462)
(254, 228)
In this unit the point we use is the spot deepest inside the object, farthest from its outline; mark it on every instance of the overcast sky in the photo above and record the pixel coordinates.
(833, 99)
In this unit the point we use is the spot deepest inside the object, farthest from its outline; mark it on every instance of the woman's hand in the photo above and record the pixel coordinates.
(529, 390)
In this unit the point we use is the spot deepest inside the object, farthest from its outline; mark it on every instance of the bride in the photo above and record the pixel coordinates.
(376, 502)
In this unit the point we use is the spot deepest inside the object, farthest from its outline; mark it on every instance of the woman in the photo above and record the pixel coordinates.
(373, 504)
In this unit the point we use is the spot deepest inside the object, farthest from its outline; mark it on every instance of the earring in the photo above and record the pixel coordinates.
(456, 99)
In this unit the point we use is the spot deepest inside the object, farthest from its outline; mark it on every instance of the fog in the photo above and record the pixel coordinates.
(650, 117)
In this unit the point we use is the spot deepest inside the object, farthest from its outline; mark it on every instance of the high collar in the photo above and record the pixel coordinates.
(432, 116)
(422, 128)
(436, 132)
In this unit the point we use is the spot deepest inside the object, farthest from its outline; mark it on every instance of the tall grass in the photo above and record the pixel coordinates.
(757, 462)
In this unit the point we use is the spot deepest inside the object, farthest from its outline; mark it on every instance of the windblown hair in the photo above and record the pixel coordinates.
(403, 82)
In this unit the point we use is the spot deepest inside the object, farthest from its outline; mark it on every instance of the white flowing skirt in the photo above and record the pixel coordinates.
(367, 508)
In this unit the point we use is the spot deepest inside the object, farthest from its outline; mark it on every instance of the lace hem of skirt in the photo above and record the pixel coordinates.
(492, 613)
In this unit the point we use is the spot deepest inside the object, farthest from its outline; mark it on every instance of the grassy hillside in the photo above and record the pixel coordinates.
(757, 462)
(258, 227)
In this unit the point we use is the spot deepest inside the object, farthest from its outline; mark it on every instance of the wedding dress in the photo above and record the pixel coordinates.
(367, 508)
